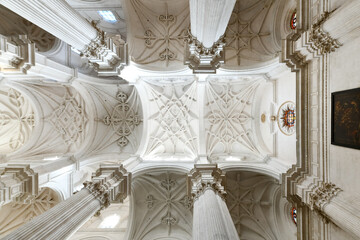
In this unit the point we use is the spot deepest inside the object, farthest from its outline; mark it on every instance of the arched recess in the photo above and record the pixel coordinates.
(257, 207)
(16, 214)
(160, 207)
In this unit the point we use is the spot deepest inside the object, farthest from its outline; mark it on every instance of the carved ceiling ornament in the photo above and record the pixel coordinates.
(123, 119)
(228, 119)
(17, 120)
(162, 206)
(249, 35)
(26, 211)
(162, 30)
(173, 121)
(69, 118)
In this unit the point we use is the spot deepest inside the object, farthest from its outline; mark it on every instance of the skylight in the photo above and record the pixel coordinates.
(108, 16)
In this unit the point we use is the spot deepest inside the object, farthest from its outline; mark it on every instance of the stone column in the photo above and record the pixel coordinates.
(211, 219)
(110, 183)
(209, 19)
(338, 206)
(107, 55)
(17, 183)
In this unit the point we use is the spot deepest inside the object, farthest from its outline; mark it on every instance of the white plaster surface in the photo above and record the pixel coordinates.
(344, 74)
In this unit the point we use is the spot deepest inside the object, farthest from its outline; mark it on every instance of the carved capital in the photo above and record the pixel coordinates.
(109, 184)
(206, 176)
(107, 55)
(322, 39)
(322, 195)
(17, 183)
(204, 60)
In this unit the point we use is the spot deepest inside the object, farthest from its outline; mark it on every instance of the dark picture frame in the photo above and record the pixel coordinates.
(345, 118)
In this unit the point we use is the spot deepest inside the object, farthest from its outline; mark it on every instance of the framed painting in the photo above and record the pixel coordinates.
(345, 118)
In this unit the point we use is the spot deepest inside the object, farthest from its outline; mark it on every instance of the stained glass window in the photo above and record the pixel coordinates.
(288, 117)
(108, 16)
(293, 21)
(293, 215)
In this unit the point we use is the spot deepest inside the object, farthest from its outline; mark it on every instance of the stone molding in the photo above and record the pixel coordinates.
(204, 60)
(206, 176)
(322, 195)
(109, 184)
(18, 182)
(17, 54)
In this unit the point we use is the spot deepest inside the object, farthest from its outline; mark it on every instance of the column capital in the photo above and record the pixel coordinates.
(322, 195)
(322, 39)
(206, 176)
(202, 59)
(107, 55)
(17, 183)
(109, 184)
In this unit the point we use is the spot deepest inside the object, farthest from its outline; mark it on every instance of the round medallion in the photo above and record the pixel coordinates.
(287, 118)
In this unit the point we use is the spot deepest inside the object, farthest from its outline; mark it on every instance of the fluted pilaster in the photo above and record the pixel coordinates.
(205, 47)
(110, 183)
(340, 207)
(106, 55)
(211, 219)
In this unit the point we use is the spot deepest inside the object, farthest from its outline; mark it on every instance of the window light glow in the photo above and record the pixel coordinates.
(108, 16)
(110, 221)
(51, 158)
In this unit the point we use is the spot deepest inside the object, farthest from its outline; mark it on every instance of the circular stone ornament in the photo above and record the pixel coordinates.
(287, 118)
